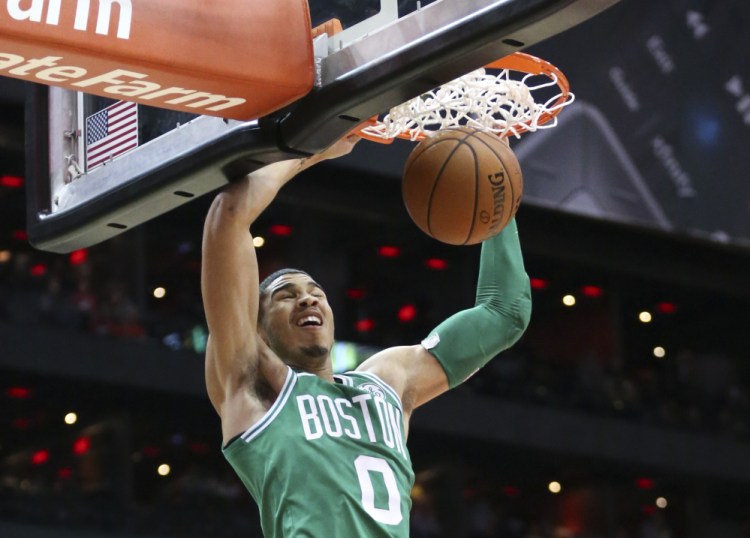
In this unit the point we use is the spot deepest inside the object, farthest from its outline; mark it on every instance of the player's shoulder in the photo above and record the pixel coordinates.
(391, 360)
(390, 365)
(387, 359)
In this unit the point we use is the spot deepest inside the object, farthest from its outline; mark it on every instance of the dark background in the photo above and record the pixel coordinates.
(673, 82)
(636, 202)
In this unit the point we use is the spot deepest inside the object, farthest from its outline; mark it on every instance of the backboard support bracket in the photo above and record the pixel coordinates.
(373, 71)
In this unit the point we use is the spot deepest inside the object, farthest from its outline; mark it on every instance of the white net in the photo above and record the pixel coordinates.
(495, 103)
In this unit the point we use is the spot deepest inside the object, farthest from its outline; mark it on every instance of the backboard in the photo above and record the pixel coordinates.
(603, 182)
(86, 184)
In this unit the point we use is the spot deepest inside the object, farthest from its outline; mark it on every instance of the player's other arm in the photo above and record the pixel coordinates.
(466, 341)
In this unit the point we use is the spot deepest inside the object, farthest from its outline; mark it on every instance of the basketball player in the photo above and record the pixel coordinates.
(324, 455)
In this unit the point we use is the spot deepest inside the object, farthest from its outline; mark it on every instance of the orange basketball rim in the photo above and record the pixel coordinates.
(522, 63)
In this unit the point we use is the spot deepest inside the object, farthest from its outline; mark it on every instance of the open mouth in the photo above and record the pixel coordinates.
(310, 321)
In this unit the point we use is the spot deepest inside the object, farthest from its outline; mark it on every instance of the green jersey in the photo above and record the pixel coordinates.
(328, 460)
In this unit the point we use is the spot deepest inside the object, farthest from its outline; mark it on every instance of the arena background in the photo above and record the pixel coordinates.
(637, 202)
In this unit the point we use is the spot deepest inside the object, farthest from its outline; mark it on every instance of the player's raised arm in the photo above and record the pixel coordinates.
(229, 276)
(469, 339)
(466, 341)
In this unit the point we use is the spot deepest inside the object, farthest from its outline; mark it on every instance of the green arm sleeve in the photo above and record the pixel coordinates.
(468, 340)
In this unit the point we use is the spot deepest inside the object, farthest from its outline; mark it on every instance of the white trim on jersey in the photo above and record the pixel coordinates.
(375, 379)
(344, 379)
(274, 410)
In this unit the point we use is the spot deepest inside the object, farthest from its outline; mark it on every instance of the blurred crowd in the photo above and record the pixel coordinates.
(69, 293)
(705, 391)
(198, 504)
(66, 296)
(692, 390)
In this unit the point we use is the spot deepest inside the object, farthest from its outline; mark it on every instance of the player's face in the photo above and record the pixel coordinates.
(296, 318)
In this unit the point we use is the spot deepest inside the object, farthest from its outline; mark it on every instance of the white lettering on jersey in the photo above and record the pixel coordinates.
(385, 422)
(362, 401)
(330, 416)
(354, 431)
(309, 416)
(336, 417)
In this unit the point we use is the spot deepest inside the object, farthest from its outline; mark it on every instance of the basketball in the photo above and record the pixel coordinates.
(462, 186)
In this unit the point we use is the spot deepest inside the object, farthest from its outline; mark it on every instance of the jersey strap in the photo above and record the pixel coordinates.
(275, 409)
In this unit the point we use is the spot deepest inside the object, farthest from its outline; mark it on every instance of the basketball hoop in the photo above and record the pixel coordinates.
(504, 103)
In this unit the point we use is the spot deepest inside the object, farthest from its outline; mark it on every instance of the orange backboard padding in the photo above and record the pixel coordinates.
(330, 27)
(235, 59)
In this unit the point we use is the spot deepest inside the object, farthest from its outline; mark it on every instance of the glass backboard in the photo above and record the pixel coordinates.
(154, 159)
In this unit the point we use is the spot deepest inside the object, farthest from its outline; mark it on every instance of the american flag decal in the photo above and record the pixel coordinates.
(111, 132)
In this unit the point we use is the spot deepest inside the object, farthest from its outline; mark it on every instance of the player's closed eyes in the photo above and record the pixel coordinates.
(285, 296)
